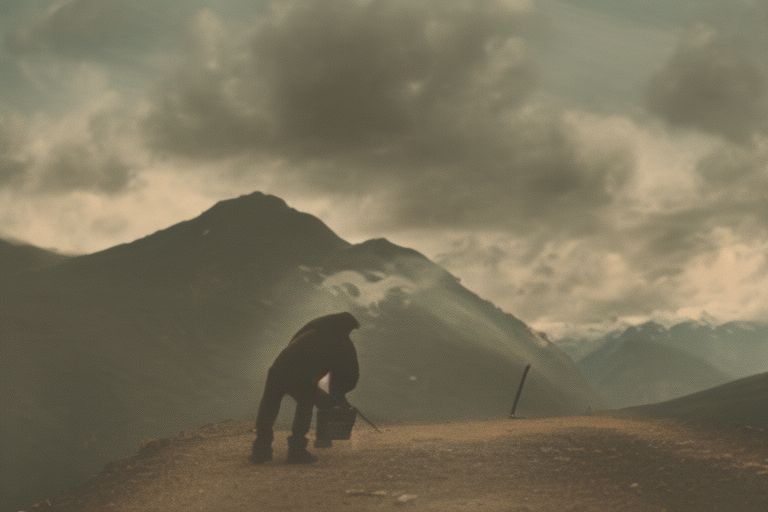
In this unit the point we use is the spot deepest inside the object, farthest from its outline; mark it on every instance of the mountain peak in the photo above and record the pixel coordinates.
(649, 328)
(383, 247)
(380, 253)
(266, 217)
(692, 325)
(228, 239)
(253, 202)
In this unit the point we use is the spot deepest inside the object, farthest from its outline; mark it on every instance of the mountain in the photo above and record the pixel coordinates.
(16, 257)
(640, 366)
(580, 347)
(178, 328)
(737, 348)
(741, 402)
(650, 363)
(635, 368)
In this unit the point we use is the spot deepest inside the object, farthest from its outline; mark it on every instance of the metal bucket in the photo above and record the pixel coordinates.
(335, 423)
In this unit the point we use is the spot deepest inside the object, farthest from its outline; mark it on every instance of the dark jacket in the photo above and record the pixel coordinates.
(320, 347)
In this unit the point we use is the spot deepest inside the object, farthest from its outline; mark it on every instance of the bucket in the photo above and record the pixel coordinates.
(335, 423)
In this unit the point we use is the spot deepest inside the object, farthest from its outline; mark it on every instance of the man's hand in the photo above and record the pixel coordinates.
(341, 399)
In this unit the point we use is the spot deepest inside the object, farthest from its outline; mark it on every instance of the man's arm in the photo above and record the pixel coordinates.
(346, 371)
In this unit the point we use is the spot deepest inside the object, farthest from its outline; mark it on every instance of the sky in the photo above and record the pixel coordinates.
(581, 163)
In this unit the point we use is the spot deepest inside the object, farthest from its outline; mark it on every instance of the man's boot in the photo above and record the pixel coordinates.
(297, 452)
(261, 452)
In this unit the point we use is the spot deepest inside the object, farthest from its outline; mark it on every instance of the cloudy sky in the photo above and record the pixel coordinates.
(578, 162)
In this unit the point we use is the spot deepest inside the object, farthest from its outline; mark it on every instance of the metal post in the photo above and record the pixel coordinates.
(519, 391)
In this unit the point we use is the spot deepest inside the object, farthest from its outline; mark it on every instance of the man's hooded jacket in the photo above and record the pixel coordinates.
(322, 346)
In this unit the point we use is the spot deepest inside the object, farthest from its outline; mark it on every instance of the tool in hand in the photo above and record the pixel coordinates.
(367, 420)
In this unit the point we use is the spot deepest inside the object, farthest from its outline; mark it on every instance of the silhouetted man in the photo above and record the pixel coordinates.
(320, 347)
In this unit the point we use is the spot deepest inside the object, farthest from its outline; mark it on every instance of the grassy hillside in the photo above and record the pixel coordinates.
(742, 402)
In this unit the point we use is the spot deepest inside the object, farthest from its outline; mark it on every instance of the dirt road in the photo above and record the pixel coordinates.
(563, 464)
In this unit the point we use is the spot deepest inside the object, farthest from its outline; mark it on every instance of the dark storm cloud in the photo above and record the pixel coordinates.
(428, 102)
(341, 76)
(713, 88)
(431, 119)
(716, 82)
(524, 175)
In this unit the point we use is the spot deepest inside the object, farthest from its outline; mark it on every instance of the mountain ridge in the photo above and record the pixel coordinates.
(690, 356)
(178, 328)
(740, 403)
(18, 256)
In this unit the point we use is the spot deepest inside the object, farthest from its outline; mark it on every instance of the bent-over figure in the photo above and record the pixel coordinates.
(320, 347)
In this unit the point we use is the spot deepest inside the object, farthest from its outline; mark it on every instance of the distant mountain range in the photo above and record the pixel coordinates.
(651, 363)
(178, 328)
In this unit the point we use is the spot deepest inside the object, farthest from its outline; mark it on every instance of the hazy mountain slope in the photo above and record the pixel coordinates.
(639, 366)
(578, 348)
(178, 328)
(650, 363)
(738, 349)
(741, 402)
(436, 350)
(15, 257)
